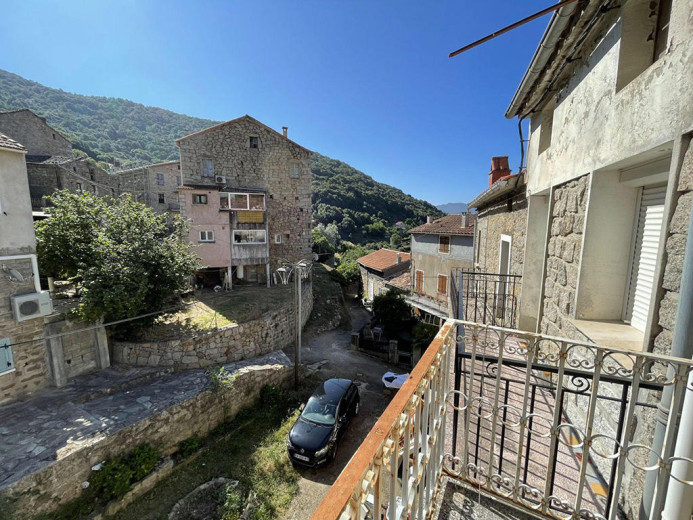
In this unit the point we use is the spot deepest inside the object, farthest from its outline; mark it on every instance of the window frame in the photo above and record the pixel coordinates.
(442, 249)
(258, 231)
(209, 236)
(254, 142)
(247, 196)
(79, 187)
(445, 291)
(278, 238)
(162, 198)
(207, 172)
(160, 179)
(199, 197)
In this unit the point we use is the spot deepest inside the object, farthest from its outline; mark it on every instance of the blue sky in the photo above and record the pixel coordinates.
(368, 82)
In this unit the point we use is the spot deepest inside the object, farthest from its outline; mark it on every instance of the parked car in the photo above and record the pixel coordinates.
(314, 436)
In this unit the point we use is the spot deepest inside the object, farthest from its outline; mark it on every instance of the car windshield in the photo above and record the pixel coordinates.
(320, 410)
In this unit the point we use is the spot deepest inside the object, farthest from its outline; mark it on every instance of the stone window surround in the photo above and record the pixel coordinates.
(253, 142)
(162, 198)
(160, 180)
(208, 236)
(294, 170)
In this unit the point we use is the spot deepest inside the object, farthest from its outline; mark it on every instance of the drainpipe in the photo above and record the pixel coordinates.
(679, 499)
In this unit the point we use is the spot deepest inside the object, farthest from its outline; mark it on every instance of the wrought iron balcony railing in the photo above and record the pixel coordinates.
(554, 427)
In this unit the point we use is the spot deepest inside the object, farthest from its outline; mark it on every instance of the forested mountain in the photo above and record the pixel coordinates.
(452, 208)
(113, 130)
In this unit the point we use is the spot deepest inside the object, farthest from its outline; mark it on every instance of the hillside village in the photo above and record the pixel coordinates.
(530, 357)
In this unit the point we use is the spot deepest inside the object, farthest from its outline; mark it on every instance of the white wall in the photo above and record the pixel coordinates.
(16, 223)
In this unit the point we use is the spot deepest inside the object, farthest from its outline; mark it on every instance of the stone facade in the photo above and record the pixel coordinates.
(34, 133)
(247, 155)
(17, 249)
(56, 483)
(563, 256)
(275, 330)
(155, 185)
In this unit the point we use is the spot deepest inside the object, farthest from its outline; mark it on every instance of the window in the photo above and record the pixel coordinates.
(6, 361)
(277, 239)
(162, 198)
(53, 137)
(91, 174)
(419, 281)
(112, 192)
(199, 199)
(442, 284)
(160, 179)
(250, 236)
(254, 142)
(644, 37)
(444, 244)
(206, 236)
(93, 188)
(247, 201)
(74, 169)
(79, 187)
(207, 168)
(295, 171)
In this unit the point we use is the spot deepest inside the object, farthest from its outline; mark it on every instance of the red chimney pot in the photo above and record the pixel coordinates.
(499, 168)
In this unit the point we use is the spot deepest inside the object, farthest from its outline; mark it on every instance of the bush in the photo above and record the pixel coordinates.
(391, 310)
(270, 395)
(188, 446)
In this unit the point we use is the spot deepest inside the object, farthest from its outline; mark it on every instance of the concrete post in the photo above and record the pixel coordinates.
(355, 337)
(101, 353)
(392, 354)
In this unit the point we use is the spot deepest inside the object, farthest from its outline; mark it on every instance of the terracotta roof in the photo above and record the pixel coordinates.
(211, 128)
(382, 259)
(402, 281)
(10, 144)
(447, 225)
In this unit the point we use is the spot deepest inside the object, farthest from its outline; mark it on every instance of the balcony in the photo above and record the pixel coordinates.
(544, 426)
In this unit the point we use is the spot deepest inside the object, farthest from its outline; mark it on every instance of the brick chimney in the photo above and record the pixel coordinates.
(285, 130)
(499, 168)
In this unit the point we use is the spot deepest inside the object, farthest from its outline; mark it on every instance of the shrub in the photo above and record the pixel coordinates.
(188, 446)
(270, 395)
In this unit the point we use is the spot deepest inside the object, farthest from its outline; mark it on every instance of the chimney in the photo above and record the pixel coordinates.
(499, 168)
(285, 130)
(429, 219)
(399, 258)
(464, 220)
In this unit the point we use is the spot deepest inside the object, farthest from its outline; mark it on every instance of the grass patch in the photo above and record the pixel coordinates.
(209, 310)
(251, 449)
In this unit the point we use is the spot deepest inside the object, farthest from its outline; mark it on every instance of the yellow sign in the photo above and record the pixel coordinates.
(250, 217)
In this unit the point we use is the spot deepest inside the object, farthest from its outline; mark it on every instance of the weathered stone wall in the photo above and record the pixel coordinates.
(273, 331)
(29, 353)
(32, 131)
(60, 482)
(504, 217)
(146, 183)
(675, 248)
(278, 165)
(563, 258)
(379, 285)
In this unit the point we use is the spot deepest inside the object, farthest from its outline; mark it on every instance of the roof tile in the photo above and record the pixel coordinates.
(383, 258)
(447, 225)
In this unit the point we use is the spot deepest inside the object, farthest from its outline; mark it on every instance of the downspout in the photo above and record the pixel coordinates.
(679, 499)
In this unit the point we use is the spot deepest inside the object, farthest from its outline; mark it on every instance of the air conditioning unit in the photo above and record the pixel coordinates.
(220, 179)
(33, 305)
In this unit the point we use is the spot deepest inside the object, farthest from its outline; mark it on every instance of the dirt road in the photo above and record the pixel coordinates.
(332, 348)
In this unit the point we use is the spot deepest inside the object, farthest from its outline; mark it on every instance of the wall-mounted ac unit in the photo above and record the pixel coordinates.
(33, 305)
(220, 179)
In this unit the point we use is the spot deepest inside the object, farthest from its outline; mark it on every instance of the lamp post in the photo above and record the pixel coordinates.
(300, 270)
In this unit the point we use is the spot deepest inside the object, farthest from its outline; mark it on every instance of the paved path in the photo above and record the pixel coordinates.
(58, 421)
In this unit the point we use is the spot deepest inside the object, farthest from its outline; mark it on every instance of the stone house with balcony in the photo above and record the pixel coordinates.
(246, 190)
(380, 268)
(49, 161)
(438, 249)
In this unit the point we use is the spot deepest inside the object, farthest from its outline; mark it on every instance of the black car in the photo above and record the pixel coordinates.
(314, 436)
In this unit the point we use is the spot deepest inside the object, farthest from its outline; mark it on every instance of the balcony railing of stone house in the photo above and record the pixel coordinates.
(549, 426)
(490, 298)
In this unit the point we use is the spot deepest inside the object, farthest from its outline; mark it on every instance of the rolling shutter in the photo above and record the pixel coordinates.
(642, 277)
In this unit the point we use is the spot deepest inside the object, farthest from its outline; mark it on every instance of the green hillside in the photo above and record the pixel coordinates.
(113, 130)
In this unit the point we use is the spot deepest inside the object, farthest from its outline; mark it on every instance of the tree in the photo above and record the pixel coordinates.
(126, 259)
(396, 240)
(321, 245)
(391, 309)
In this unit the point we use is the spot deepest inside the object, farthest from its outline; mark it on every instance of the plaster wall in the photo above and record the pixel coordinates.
(207, 217)
(595, 126)
(537, 219)
(16, 224)
(425, 257)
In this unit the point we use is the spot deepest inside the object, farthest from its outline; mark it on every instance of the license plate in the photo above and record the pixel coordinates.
(301, 457)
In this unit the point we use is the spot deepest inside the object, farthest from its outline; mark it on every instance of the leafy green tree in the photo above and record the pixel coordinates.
(391, 309)
(395, 240)
(349, 272)
(321, 245)
(127, 259)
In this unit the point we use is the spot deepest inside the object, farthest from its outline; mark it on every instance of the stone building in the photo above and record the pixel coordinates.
(155, 185)
(609, 185)
(379, 268)
(22, 303)
(247, 193)
(49, 160)
(499, 240)
(438, 249)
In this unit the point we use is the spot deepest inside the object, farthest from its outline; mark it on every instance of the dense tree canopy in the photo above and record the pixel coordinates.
(127, 260)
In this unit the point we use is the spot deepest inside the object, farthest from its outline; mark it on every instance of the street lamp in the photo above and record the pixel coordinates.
(301, 270)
